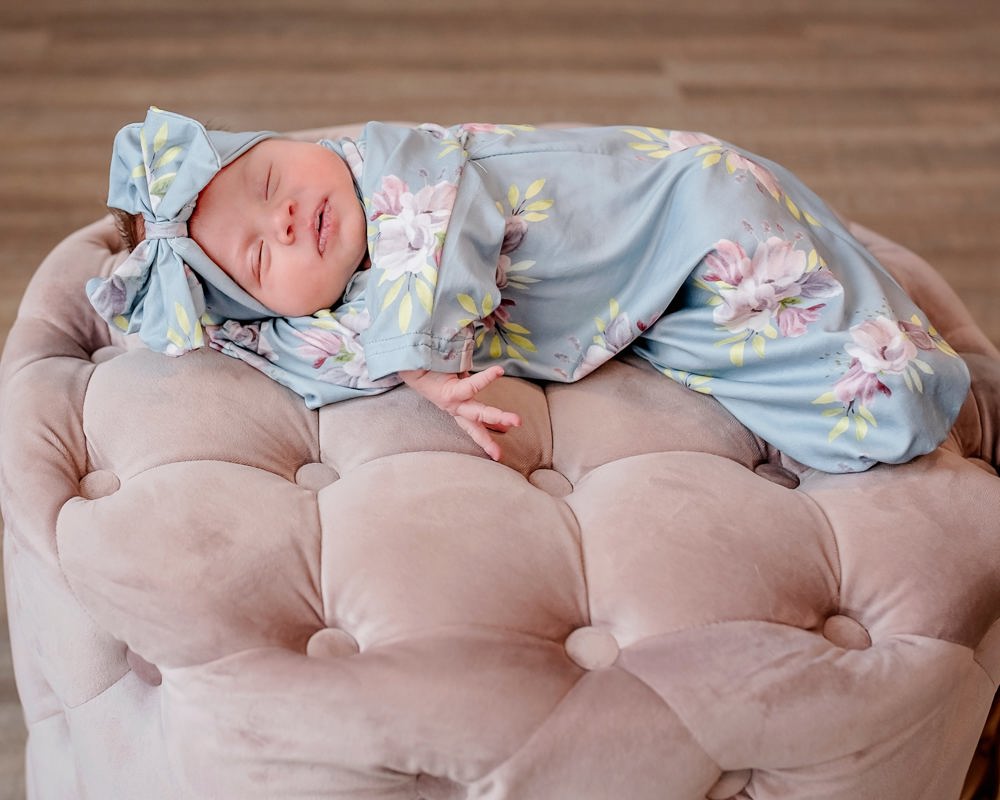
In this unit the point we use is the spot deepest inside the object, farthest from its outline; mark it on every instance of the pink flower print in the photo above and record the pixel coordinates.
(881, 345)
(764, 176)
(617, 335)
(389, 200)
(792, 320)
(515, 228)
(778, 262)
(503, 264)
(727, 263)
(769, 286)
(857, 384)
(249, 337)
(319, 345)
(411, 226)
(758, 285)
(682, 140)
(921, 338)
(479, 127)
(500, 316)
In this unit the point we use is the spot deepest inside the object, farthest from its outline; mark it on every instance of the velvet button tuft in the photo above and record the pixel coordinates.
(99, 483)
(592, 648)
(102, 354)
(315, 476)
(146, 672)
(331, 643)
(551, 482)
(777, 474)
(846, 632)
(431, 787)
(729, 784)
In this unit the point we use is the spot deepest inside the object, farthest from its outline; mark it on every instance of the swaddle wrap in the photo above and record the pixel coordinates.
(502, 244)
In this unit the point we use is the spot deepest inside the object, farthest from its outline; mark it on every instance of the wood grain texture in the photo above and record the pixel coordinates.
(890, 109)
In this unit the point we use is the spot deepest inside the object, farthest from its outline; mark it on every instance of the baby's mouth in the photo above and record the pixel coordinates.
(324, 222)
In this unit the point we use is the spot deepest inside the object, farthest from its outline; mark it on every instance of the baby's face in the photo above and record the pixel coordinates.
(283, 221)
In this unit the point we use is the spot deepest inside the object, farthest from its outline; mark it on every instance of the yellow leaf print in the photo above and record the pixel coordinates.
(736, 354)
(860, 428)
(161, 138)
(698, 382)
(425, 296)
(182, 318)
(838, 429)
(864, 412)
(792, 207)
(175, 338)
(487, 305)
(513, 195)
(468, 304)
(405, 313)
(121, 323)
(161, 184)
(534, 216)
(521, 341)
(713, 158)
(758, 345)
(533, 189)
(513, 353)
(139, 171)
(826, 397)
(641, 134)
(495, 346)
(539, 205)
(167, 157)
(393, 293)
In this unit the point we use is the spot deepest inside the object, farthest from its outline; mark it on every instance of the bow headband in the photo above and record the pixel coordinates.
(158, 167)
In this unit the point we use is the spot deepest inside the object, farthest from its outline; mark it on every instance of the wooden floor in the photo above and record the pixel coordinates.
(888, 108)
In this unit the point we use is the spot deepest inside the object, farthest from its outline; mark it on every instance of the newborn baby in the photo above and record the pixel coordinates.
(444, 257)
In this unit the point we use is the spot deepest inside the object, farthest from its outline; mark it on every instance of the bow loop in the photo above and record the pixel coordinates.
(158, 168)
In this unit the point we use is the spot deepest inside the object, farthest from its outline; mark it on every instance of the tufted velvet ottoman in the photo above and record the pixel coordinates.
(217, 593)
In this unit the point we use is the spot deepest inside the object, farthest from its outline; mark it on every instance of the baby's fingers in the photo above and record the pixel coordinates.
(480, 436)
(475, 383)
(492, 416)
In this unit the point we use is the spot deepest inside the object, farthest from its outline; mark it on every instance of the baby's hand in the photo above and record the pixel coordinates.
(456, 395)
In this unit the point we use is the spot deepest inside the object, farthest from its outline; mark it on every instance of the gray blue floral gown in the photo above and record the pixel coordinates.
(548, 252)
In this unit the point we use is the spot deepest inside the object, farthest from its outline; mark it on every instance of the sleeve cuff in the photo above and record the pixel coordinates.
(420, 351)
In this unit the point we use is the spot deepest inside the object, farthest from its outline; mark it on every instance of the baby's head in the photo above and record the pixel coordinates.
(282, 220)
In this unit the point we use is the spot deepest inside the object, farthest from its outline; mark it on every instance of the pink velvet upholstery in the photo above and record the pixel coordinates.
(216, 593)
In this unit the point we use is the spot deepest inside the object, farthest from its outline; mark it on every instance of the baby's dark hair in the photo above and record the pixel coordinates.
(130, 227)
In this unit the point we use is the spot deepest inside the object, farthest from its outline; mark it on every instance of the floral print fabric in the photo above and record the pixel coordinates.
(549, 252)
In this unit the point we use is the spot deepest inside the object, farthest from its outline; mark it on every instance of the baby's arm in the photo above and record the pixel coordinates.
(456, 395)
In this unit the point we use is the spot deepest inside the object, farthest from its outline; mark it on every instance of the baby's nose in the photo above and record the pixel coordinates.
(285, 221)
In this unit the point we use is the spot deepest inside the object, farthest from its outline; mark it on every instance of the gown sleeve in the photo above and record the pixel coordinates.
(429, 287)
